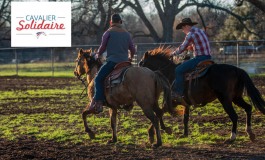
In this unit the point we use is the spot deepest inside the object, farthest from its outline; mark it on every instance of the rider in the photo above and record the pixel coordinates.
(116, 41)
(198, 41)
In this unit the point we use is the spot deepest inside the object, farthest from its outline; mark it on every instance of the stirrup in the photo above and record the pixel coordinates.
(95, 107)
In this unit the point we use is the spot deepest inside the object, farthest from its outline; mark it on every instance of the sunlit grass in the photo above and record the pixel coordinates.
(55, 114)
(38, 69)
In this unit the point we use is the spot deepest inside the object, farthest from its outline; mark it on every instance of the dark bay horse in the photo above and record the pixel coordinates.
(140, 84)
(222, 81)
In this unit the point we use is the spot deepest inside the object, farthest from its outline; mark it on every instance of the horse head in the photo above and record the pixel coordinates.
(85, 63)
(157, 59)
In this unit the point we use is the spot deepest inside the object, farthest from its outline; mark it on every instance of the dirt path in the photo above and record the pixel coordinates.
(31, 148)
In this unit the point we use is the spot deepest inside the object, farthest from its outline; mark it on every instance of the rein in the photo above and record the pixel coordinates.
(83, 82)
(97, 63)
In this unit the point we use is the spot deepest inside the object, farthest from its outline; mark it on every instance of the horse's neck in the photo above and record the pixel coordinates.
(90, 80)
(170, 72)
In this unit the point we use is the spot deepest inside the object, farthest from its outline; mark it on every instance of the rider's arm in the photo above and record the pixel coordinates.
(184, 45)
(131, 48)
(104, 42)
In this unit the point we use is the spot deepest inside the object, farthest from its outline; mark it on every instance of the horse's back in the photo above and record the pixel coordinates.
(141, 81)
(223, 72)
(224, 78)
(220, 80)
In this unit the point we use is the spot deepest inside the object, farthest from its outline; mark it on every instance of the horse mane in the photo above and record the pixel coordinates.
(161, 52)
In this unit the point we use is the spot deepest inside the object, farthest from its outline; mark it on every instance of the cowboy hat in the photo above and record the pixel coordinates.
(185, 21)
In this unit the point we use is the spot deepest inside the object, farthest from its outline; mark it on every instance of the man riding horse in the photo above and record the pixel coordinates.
(198, 41)
(116, 41)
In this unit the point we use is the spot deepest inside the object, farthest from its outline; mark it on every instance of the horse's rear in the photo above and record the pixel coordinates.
(142, 85)
(227, 83)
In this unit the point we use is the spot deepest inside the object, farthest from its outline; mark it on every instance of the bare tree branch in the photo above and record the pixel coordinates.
(137, 7)
(257, 3)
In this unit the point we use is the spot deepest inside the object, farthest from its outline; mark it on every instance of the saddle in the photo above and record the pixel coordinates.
(199, 71)
(117, 75)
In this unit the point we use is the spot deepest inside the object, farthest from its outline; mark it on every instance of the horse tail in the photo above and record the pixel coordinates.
(253, 92)
(165, 85)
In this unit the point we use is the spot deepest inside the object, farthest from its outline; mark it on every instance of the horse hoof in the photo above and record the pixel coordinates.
(151, 140)
(156, 145)
(252, 137)
(168, 130)
(111, 141)
(91, 135)
(183, 136)
(229, 141)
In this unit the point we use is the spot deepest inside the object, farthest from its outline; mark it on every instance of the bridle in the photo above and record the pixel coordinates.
(91, 62)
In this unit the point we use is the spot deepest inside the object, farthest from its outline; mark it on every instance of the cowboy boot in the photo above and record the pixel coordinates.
(176, 97)
(95, 107)
(98, 107)
(128, 107)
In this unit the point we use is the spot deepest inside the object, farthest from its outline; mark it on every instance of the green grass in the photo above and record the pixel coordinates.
(38, 69)
(55, 114)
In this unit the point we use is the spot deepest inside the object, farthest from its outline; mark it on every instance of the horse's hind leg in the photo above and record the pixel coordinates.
(155, 122)
(228, 107)
(88, 130)
(159, 113)
(186, 121)
(113, 123)
(248, 109)
(151, 133)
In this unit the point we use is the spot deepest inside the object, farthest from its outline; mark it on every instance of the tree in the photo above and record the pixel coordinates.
(233, 30)
(5, 21)
(167, 11)
(257, 3)
(91, 19)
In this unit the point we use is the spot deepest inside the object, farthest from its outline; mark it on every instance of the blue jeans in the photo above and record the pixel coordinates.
(104, 71)
(184, 68)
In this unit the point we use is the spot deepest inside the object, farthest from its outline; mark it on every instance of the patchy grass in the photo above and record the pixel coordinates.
(55, 114)
(38, 69)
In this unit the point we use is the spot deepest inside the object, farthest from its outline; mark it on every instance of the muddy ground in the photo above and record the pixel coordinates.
(29, 147)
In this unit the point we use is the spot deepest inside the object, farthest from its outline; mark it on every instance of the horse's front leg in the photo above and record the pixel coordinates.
(113, 123)
(88, 130)
(186, 121)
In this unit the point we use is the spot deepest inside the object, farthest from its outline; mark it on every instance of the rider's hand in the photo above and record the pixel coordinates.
(96, 56)
(190, 48)
(130, 59)
(172, 54)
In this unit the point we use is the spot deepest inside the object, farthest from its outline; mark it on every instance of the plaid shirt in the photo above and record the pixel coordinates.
(198, 40)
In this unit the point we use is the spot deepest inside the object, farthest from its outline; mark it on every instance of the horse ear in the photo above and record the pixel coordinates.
(146, 54)
(81, 51)
(90, 50)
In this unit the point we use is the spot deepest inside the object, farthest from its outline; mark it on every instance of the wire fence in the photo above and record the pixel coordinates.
(249, 55)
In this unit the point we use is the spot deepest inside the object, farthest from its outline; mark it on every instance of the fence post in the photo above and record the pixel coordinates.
(52, 60)
(237, 52)
(135, 58)
(16, 62)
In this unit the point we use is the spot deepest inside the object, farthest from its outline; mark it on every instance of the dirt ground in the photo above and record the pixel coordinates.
(29, 147)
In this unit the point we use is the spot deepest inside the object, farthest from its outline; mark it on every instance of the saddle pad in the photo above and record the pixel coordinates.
(200, 70)
(117, 75)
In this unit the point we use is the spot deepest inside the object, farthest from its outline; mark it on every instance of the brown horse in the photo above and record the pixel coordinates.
(140, 84)
(223, 82)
